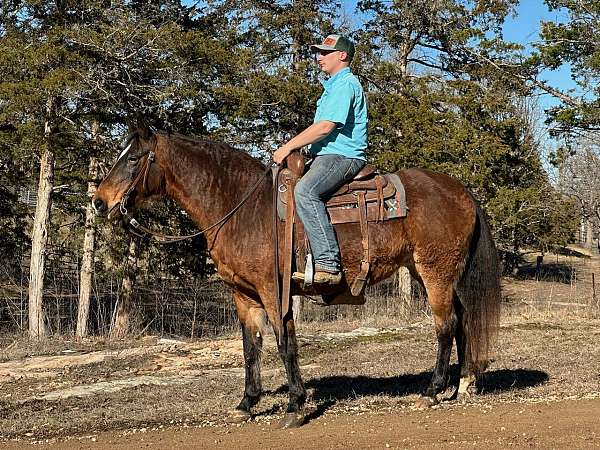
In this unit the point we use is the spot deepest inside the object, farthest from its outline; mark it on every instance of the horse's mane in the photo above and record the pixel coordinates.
(205, 144)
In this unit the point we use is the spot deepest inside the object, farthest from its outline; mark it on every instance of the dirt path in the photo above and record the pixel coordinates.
(541, 391)
(545, 425)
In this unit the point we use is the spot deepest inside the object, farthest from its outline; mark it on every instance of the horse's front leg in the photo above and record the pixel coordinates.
(253, 319)
(288, 351)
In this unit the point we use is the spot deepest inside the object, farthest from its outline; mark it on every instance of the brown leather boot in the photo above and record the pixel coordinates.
(320, 277)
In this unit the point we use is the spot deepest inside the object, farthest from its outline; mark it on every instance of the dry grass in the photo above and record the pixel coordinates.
(564, 287)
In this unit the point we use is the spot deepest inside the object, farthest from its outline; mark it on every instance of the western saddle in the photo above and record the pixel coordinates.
(368, 197)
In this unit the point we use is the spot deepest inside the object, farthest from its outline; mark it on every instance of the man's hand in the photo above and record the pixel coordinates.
(281, 153)
(312, 134)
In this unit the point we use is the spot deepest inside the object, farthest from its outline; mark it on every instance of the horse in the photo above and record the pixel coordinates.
(444, 241)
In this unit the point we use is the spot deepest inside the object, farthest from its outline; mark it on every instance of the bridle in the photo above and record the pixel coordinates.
(142, 173)
(165, 238)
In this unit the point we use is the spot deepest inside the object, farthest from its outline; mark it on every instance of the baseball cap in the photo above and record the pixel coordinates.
(335, 42)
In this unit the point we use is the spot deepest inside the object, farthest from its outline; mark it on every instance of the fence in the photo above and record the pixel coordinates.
(165, 306)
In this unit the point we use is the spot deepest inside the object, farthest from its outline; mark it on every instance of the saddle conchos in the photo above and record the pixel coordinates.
(369, 197)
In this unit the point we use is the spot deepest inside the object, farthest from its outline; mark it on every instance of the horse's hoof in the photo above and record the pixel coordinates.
(426, 402)
(238, 416)
(291, 420)
(464, 397)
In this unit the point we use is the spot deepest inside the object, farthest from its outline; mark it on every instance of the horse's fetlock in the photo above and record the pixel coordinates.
(249, 400)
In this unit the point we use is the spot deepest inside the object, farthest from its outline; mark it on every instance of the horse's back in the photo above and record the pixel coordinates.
(434, 194)
(441, 212)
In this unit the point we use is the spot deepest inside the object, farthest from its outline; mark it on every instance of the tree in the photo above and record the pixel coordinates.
(439, 101)
(579, 178)
(269, 92)
(94, 63)
(573, 42)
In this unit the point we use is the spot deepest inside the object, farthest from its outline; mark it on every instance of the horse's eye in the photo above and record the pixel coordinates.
(133, 158)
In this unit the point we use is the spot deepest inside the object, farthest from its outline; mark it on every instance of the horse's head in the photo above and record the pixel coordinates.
(134, 177)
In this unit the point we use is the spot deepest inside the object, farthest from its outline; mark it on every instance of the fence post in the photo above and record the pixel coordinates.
(594, 289)
(405, 288)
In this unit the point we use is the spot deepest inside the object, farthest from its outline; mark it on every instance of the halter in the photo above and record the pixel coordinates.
(144, 172)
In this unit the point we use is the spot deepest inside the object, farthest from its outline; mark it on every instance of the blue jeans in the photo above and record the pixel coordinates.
(326, 174)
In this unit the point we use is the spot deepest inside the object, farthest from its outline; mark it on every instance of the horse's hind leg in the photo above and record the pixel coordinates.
(468, 373)
(445, 321)
(253, 319)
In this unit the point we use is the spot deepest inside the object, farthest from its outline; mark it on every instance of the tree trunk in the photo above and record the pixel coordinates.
(405, 287)
(87, 261)
(589, 234)
(39, 236)
(120, 324)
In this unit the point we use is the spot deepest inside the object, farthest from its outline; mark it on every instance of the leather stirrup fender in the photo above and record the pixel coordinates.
(360, 281)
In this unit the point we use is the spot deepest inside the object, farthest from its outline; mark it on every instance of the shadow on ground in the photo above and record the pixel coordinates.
(570, 252)
(543, 269)
(561, 273)
(327, 391)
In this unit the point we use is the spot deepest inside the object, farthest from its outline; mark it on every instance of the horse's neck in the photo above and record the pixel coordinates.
(209, 179)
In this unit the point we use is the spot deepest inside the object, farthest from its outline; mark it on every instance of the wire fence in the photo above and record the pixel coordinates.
(163, 305)
(202, 307)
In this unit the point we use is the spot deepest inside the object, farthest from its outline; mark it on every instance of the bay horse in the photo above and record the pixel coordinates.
(444, 241)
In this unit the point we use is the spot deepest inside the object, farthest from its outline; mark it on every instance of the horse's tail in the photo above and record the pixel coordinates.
(479, 292)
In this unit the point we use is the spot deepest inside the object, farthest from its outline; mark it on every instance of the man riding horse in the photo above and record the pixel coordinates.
(338, 140)
(445, 240)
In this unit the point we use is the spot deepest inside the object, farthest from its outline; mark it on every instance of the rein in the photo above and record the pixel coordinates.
(165, 238)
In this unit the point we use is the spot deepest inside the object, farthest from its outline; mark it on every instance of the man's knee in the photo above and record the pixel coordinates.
(302, 190)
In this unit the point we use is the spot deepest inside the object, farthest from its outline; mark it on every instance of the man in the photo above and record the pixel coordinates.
(338, 141)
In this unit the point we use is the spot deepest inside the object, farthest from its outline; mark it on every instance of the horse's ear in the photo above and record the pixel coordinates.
(140, 126)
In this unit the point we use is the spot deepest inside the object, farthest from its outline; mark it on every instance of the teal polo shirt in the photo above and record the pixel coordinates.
(343, 102)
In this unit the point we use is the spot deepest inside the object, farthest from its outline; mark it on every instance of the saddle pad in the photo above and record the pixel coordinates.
(344, 208)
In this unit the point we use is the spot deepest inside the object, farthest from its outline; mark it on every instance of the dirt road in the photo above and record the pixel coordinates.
(542, 391)
(566, 424)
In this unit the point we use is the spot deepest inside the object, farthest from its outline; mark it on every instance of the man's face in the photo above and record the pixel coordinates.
(331, 61)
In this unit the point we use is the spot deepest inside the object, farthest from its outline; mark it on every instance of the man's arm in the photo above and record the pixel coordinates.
(312, 134)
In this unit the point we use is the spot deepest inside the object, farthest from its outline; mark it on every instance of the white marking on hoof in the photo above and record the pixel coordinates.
(465, 384)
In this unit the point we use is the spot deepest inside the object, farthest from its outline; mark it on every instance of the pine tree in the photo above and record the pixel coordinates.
(438, 100)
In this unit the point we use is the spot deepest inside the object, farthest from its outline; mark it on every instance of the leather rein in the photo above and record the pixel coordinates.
(165, 238)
